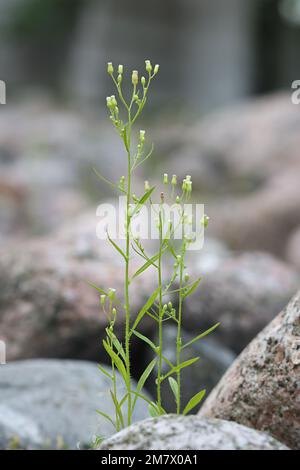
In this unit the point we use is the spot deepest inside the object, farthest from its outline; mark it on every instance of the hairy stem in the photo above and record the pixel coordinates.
(160, 313)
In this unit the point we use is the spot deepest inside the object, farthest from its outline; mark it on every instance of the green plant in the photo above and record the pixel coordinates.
(177, 284)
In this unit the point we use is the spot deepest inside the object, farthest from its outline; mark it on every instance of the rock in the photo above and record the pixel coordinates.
(48, 309)
(244, 293)
(262, 220)
(173, 432)
(50, 403)
(228, 150)
(214, 361)
(293, 248)
(261, 388)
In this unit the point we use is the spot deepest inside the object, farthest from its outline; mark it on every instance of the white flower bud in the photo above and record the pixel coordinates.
(135, 77)
(143, 81)
(142, 136)
(110, 68)
(102, 299)
(174, 180)
(120, 69)
(156, 69)
(147, 186)
(166, 178)
(111, 293)
(148, 66)
(205, 221)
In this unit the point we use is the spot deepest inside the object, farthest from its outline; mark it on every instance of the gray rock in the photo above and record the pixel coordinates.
(293, 249)
(46, 403)
(262, 387)
(173, 432)
(47, 307)
(244, 293)
(205, 374)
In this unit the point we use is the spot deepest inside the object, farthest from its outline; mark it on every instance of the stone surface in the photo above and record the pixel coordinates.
(173, 432)
(262, 387)
(47, 307)
(244, 293)
(293, 248)
(205, 374)
(50, 403)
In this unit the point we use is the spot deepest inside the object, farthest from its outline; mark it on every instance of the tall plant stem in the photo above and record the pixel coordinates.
(127, 280)
(180, 303)
(160, 316)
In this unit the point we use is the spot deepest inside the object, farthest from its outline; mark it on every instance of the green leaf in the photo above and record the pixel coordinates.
(193, 288)
(105, 372)
(143, 200)
(145, 375)
(194, 401)
(180, 366)
(174, 387)
(146, 307)
(143, 379)
(202, 335)
(106, 417)
(101, 291)
(145, 339)
(102, 178)
(118, 408)
(117, 248)
(119, 347)
(149, 262)
(152, 408)
(117, 360)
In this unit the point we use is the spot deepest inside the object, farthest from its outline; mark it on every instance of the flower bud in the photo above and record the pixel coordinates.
(119, 78)
(166, 178)
(148, 66)
(135, 77)
(110, 68)
(177, 199)
(205, 221)
(111, 293)
(156, 69)
(186, 277)
(102, 299)
(120, 69)
(170, 305)
(147, 186)
(143, 81)
(114, 311)
(174, 180)
(142, 136)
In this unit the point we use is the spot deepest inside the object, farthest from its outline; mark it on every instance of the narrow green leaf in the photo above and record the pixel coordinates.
(193, 288)
(101, 291)
(174, 387)
(117, 248)
(117, 360)
(154, 412)
(118, 408)
(145, 339)
(180, 366)
(146, 307)
(102, 178)
(202, 335)
(143, 379)
(143, 200)
(194, 401)
(105, 372)
(106, 417)
(149, 262)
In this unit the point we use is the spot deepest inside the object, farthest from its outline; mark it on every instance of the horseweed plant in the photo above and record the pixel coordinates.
(178, 283)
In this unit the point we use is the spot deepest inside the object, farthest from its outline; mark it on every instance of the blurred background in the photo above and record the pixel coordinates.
(220, 110)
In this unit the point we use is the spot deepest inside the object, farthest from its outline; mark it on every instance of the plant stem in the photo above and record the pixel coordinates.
(178, 342)
(127, 299)
(160, 313)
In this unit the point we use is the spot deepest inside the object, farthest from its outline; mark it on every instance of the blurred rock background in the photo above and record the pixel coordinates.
(221, 111)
